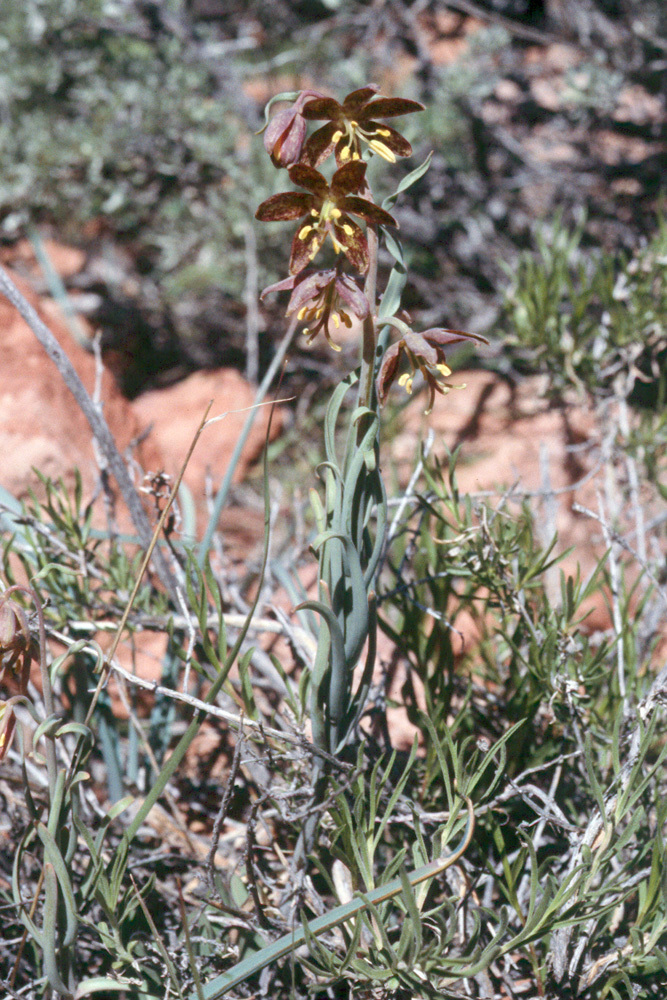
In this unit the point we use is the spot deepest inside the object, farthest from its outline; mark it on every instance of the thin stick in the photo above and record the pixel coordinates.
(234, 719)
(209, 864)
(96, 421)
(251, 294)
(144, 564)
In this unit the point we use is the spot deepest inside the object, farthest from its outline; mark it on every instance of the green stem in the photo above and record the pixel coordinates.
(369, 334)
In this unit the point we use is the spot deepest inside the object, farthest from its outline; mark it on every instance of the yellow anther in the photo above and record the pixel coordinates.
(348, 230)
(345, 153)
(334, 317)
(383, 131)
(444, 370)
(303, 233)
(335, 213)
(382, 150)
(337, 136)
(302, 313)
(406, 382)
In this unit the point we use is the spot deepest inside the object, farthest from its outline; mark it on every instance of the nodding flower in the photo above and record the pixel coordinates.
(326, 209)
(423, 352)
(353, 122)
(323, 297)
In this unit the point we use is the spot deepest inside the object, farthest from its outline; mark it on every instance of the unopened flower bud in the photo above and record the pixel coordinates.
(286, 132)
(284, 137)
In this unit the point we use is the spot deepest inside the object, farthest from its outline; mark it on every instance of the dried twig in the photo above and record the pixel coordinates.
(209, 865)
(96, 421)
(251, 293)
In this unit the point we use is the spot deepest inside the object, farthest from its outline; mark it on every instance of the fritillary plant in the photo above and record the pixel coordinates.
(339, 215)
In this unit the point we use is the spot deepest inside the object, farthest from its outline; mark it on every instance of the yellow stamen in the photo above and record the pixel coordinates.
(345, 153)
(406, 382)
(444, 370)
(382, 131)
(382, 150)
(332, 344)
(302, 314)
(335, 213)
(347, 229)
(337, 136)
(303, 233)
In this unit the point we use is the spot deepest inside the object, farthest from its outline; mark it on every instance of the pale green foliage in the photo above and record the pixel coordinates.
(591, 319)
(116, 122)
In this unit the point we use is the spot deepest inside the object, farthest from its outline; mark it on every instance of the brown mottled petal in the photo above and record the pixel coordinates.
(303, 251)
(305, 96)
(312, 179)
(353, 297)
(388, 370)
(389, 107)
(312, 285)
(442, 336)
(421, 349)
(368, 211)
(355, 101)
(285, 206)
(348, 178)
(352, 145)
(353, 243)
(396, 142)
(286, 285)
(319, 146)
(322, 107)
